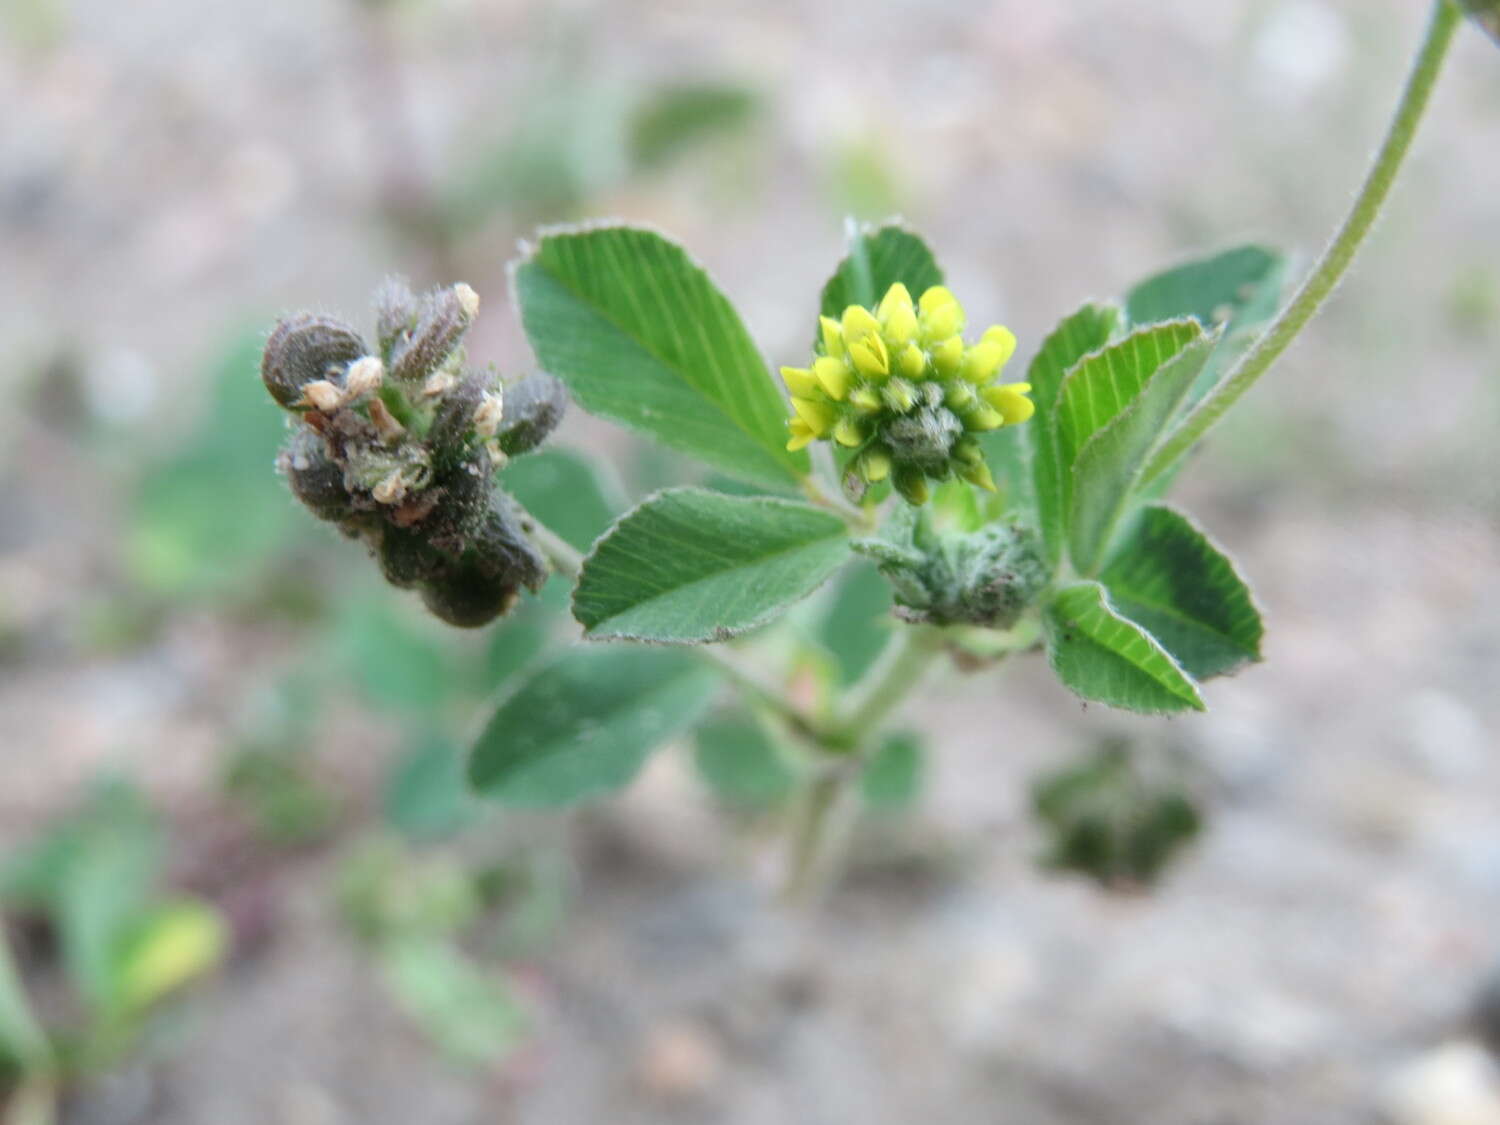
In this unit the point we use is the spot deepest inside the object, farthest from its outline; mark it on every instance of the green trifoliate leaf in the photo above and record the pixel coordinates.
(690, 566)
(878, 258)
(640, 334)
(1087, 330)
(1169, 578)
(1109, 464)
(1104, 657)
(741, 762)
(583, 724)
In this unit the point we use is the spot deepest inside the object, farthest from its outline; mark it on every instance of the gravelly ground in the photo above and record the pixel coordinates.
(181, 167)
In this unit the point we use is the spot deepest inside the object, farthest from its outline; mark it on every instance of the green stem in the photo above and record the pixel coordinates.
(863, 712)
(1340, 252)
(894, 675)
(811, 829)
(564, 557)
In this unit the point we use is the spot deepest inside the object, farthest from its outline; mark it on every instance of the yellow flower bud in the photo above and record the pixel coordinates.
(799, 380)
(942, 315)
(849, 432)
(819, 416)
(898, 318)
(985, 418)
(968, 452)
(911, 362)
(833, 335)
(866, 398)
(958, 395)
(875, 465)
(801, 432)
(981, 362)
(1002, 336)
(979, 474)
(858, 323)
(947, 356)
(833, 376)
(1011, 401)
(870, 357)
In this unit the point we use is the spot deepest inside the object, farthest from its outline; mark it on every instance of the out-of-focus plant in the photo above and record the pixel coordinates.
(122, 945)
(438, 926)
(1001, 514)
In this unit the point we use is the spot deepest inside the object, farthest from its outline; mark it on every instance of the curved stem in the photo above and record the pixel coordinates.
(1340, 252)
(883, 688)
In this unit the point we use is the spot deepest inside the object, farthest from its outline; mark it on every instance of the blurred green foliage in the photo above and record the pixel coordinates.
(208, 519)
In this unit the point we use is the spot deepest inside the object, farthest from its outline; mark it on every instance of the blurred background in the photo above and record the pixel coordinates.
(227, 753)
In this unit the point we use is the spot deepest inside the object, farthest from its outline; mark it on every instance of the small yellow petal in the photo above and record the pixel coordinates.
(799, 380)
(899, 327)
(858, 323)
(911, 362)
(866, 398)
(798, 441)
(948, 356)
(896, 297)
(898, 317)
(985, 418)
(936, 297)
(1013, 406)
(979, 474)
(942, 315)
(833, 376)
(1002, 336)
(870, 357)
(833, 335)
(818, 415)
(981, 362)
(875, 465)
(849, 432)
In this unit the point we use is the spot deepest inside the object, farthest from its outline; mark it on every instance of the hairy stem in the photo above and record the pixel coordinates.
(1340, 252)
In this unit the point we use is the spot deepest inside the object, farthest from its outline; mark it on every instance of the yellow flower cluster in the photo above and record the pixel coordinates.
(899, 386)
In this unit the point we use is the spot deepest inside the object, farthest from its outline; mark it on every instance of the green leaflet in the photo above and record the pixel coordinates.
(690, 566)
(1087, 330)
(584, 723)
(741, 762)
(1108, 466)
(1169, 578)
(1238, 289)
(642, 335)
(1102, 656)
